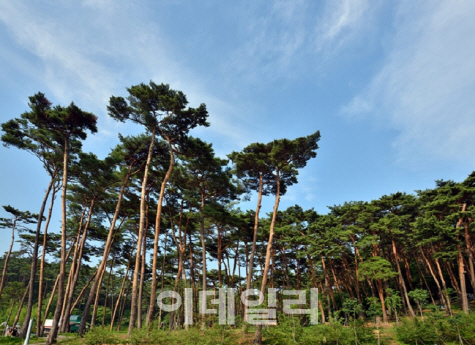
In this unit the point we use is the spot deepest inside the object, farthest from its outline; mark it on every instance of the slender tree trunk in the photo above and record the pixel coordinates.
(192, 273)
(444, 294)
(328, 288)
(463, 286)
(254, 240)
(8, 318)
(258, 334)
(203, 249)
(82, 292)
(381, 298)
(314, 281)
(74, 273)
(335, 278)
(461, 268)
(133, 307)
(34, 259)
(98, 294)
(142, 276)
(219, 257)
(20, 307)
(121, 293)
(107, 247)
(453, 280)
(107, 292)
(408, 272)
(39, 327)
(127, 292)
(62, 265)
(64, 327)
(153, 288)
(401, 279)
(469, 251)
(163, 278)
(54, 290)
(50, 301)
(235, 261)
(7, 257)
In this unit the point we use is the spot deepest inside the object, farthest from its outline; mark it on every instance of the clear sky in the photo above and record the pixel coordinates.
(389, 84)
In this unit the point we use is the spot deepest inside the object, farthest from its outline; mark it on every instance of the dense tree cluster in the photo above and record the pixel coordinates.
(154, 213)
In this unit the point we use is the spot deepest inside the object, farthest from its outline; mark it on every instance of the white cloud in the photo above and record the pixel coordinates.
(425, 89)
(340, 21)
(92, 51)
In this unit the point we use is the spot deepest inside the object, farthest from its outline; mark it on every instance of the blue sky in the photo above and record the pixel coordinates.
(390, 85)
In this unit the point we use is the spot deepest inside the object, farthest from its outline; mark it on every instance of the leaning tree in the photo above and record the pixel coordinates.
(162, 111)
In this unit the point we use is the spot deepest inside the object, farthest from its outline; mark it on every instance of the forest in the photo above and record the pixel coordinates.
(161, 212)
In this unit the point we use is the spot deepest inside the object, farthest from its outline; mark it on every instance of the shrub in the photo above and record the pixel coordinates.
(436, 329)
(99, 336)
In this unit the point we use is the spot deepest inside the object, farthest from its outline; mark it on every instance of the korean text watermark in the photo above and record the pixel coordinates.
(226, 303)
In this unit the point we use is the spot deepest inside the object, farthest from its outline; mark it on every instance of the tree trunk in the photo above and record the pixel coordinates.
(62, 264)
(82, 292)
(254, 240)
(75, 267)
(258, 334)
(381, 298)
(8, 318)
(315, 285)
(153, 288)
(401, 279)
(444, 295)
(107, 247)
(7, 257)
(133, 307)
(20, 307)
(39, 328)
(463, 287)
(121, 293)
(461, 268)
(203, 249)
(469, 251)
(107, 292)
(34, 259)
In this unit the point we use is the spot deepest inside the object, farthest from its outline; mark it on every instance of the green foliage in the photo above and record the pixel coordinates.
(419, 296)
(376, 268)
(438, 330)
(351, 307)
(290, 331)
(99, 336)
(211, 336)
(393, 300)
(374, 308)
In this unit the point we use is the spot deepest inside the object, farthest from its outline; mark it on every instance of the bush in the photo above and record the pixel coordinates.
(435, 329)
(290, 331)
(99, 336)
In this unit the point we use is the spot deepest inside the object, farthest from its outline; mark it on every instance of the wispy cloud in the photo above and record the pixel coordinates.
(425, 88)
(340, 22)
(291, 40)
(90, 51)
